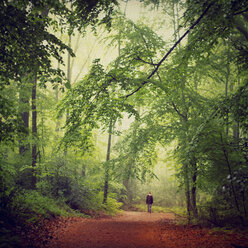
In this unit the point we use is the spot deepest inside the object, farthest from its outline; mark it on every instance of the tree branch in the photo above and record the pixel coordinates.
(180, 114)
(152, 63)
(169, 52)
(241, 28)
(146, 62)
(241, 12)
(245, 16)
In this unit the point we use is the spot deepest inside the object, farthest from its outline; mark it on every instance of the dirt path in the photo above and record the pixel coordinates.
(139, 230)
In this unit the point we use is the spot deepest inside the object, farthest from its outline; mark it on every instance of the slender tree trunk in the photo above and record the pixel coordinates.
(75, 51)
(236, 126)
(106, 185)
(24, 97)
(34, 131)
(227, 85)
(187, 191)
(42, 135)
(84, 170)
(188, 200)
(69, 62)
(174, 21)
(126, 182)
(193, 189)
(244, 203)
(69, 80)
(57, 100)
(190, 192)
(231, 180)
(106, 181)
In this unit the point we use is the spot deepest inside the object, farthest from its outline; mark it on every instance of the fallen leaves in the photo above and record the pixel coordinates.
(129, 230)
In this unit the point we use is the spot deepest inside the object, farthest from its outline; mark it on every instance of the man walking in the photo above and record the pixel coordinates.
(149, 202)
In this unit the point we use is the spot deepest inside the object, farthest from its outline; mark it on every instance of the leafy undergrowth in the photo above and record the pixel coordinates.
(32, 216)
(181, 219)
(40, 233)
(157, 209)
(193, 236)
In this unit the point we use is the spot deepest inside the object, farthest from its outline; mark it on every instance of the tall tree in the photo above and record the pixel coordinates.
(107, 167)
(34, 130)
(26, 37)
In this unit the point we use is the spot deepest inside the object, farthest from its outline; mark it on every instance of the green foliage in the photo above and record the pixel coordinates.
(81, 197)
(33, 202)
(91, 103)
(193, 103)
(221, 20)
(10, 121)
(137, 153)
(237, 105)
(25, 31)
(158, 209)
(29, 44)
(112, 206)
(7, 187)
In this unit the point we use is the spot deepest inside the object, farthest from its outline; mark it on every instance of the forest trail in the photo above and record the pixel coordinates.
(139, 230)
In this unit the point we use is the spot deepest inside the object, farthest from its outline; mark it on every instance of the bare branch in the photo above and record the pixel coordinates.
(169, 52)
(241, 12)
(146, 62)
(179, 113)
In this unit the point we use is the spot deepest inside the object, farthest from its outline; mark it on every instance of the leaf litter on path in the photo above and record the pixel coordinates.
(139, 230)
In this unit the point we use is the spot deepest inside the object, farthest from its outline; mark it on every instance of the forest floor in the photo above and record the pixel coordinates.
(140, 230)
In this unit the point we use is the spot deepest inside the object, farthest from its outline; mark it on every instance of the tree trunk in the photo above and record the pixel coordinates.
(57, 100)
(174, 21)
(187, 192)
(126, 182)
(24, 97)
(69, 62)
(83, 170)
(236, 133)
(42, 136)
(106, 181)
(227, 85)
(233, 190)
(193, 190)
(34, 131)
(69, 80)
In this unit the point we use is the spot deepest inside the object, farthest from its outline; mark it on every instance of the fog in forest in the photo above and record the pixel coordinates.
(105, 101)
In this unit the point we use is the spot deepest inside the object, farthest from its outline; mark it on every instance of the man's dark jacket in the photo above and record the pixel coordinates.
(149, 199)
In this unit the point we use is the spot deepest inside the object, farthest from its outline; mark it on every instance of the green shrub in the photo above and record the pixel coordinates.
(158, 209)
(7, 239)
(112, 206)
(81, 197)
(31, 204)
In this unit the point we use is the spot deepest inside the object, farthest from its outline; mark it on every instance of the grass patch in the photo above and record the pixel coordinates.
(31, 205)
(158, 209)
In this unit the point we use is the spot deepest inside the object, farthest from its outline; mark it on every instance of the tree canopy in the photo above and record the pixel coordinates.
(159, 100)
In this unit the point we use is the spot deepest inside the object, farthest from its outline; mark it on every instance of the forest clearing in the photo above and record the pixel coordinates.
(124, 105)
